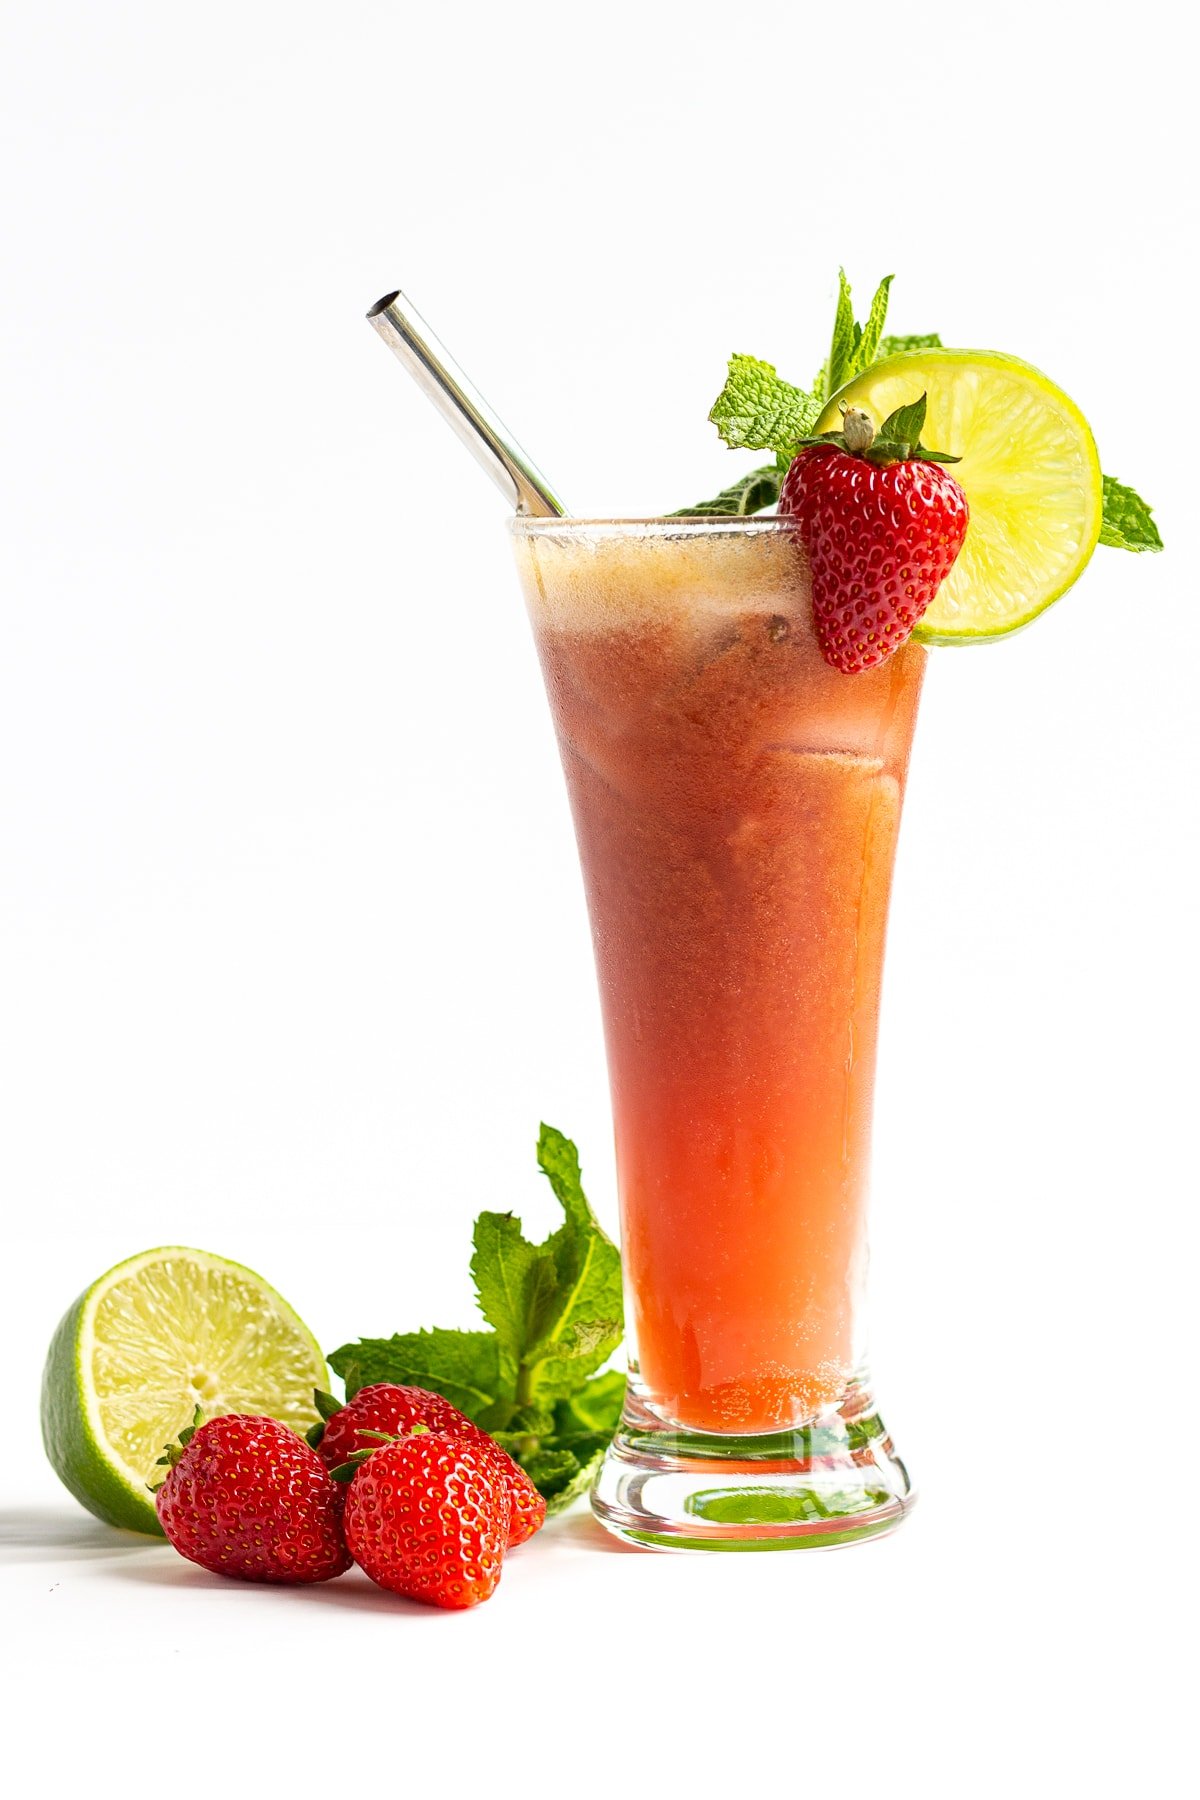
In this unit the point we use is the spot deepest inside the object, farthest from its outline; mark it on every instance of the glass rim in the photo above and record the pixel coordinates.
(678, 525)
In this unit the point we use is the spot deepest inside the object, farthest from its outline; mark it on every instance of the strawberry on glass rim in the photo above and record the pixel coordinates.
(882, 521)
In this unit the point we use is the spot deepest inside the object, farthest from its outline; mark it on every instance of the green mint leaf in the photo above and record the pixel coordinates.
(579, 1483)
(895, 346)
(756, 410)
(751, 494)
(906, 423)
(844, 344)
(1127, 523)
(514, 1279)
(583, 1325)
(465, 1366)
(596, 1407)
(872, 331)
(550, 1470)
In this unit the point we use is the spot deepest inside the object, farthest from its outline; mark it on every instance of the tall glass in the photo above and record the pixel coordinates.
(736, 805)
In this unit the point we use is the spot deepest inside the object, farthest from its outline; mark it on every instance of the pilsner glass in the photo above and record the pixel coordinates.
(736, 805)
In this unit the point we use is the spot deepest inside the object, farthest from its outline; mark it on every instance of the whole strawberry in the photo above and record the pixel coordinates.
(245, 1496)
(882, 523)
(387, 1407)
(427, 1517)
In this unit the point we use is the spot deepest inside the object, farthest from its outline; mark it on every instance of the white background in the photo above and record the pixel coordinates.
(292, 949)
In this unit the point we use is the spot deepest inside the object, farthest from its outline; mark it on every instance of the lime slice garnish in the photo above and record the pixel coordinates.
(1029, 469)
(157, 1336)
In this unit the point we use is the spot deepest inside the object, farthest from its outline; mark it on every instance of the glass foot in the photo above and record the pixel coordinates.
(834, 1481)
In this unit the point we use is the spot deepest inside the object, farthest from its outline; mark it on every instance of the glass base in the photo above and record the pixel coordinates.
(834, 1481)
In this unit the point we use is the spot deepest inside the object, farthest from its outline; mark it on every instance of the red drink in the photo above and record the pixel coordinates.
(736, 804)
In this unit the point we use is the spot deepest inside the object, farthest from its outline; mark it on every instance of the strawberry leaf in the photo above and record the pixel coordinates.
(906, 423)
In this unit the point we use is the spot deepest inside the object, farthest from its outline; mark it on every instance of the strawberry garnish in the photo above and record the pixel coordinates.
(882, 522)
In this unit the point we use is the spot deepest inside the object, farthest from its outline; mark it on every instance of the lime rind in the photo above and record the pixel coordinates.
(159, 1334)
(1030, 472)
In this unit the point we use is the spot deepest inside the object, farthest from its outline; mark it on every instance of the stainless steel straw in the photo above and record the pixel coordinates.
(401, 327)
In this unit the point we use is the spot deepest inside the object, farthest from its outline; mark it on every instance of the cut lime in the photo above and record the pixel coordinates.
(1029, 469)
(157, 1336)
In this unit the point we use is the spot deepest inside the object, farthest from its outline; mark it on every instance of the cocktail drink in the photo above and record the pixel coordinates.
(735, 698)
(736, 804)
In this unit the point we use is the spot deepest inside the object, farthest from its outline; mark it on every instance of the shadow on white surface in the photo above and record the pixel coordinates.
(582, 1530)
(51, 1534)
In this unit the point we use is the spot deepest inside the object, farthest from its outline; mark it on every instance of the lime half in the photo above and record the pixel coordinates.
(1029, 470)
(157, 1336)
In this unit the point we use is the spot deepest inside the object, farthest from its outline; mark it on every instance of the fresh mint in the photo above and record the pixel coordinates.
(1127, 524)
(757, 410)
(896, 346)
(751, 494)
(854, 347)
(554, 1312)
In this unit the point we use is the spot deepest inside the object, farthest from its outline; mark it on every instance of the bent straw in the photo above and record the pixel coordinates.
(435, 371)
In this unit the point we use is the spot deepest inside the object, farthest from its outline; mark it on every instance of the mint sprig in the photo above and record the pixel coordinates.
(555, 1315)
(854, 347)
(758, 410)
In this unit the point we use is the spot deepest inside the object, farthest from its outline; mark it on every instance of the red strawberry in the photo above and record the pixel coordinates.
(388, 1407)
(385, 1406)
(881, 535)
(245, 1496)
(427, 1516)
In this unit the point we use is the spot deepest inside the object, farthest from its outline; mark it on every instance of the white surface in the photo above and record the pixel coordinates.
(293, 949)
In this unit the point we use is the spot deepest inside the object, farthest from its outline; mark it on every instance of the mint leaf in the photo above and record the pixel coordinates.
(756, 410)
(844, 344)
(550, 1470)
(854, 347)
(872, 331)
(749, 495)
(560, 1494)
(894, 346)
(465, 1366)
(596, 1407)
(581, 1324)
(1127, 523)
(513, 1278)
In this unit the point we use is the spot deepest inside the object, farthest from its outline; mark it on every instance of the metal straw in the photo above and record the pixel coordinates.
(401, 327)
